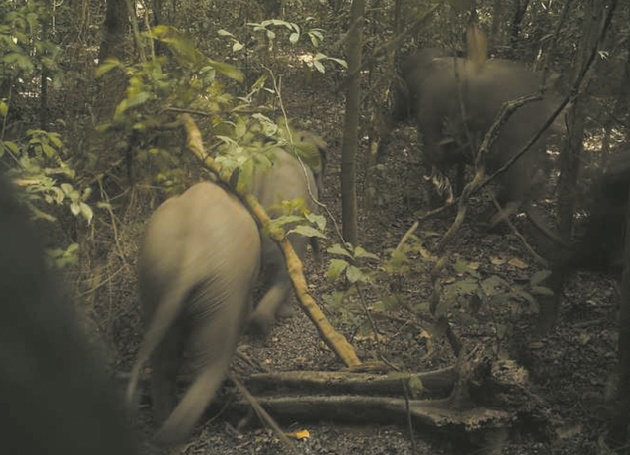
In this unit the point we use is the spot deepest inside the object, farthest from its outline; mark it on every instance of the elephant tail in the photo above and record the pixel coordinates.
(166, 313)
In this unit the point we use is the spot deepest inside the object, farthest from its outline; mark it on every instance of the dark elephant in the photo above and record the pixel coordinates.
(286, 180)
(55, 396)
(199, 261)
(600, 241)
(452, 130)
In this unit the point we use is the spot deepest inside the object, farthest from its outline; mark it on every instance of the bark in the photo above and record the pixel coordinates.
(434, 383)
(351, 124)
(437, 414)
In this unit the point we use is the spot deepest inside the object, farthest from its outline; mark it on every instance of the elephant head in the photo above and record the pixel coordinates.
(199, 261)
(286, 180)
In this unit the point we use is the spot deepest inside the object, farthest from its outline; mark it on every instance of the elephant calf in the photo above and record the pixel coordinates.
(286, 180)
(198, 264)
(55, 397)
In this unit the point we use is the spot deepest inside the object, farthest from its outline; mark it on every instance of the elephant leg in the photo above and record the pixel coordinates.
(165, 364)
(213, 341)
(276, 300)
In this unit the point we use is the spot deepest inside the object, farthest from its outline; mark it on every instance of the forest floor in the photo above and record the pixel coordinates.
(568, 370)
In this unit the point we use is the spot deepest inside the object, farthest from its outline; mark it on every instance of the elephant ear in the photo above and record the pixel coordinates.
(309, 154)
(309, 147)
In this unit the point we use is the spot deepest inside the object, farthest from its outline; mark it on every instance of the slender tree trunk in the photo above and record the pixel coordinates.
(618, 435)
(114, 30)
(569, 168)
(43, 99)
(520, 8)
(351, 124)
(114, 44)
(497, 20)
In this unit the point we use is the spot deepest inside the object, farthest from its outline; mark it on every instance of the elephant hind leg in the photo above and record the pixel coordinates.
(276, 297)
(182, 420)
(214, 341)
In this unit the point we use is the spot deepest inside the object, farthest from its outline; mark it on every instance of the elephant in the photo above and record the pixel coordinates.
(434, 84)
(285, 180)
(600, 243)
(55, 395)
(199, 261)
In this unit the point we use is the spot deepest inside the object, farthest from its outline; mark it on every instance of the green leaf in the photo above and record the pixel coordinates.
(108, 65)
(137, 99)
(340, 251)
(462, 267)
(334, 300)
(225, 33)
(539, 277)
(542, 290)
(75, 208)
(360, 252)
(317, 220)
(86, 211)
(355, 274)
(294, 37)
(55, 138)
(340, 62)
(18, 60)
(335, 269)
(287, 219)
(4, 108)
(307, 231)
(49, 151)
(67, 188)
(494, 284)
(319, 67)
(227, 70)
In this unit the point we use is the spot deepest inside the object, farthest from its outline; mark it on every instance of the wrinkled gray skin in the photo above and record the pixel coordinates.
(286, 180)
(199, 261)
(55, 397)
(432, 97)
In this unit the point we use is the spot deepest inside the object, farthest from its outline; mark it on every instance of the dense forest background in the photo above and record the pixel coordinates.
(90, 98)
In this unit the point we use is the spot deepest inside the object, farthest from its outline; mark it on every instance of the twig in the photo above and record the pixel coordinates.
(262, 414)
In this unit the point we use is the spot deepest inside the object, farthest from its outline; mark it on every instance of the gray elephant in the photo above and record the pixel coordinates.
(455, 103)
(286, 180)
(199, 261)
(54, 393)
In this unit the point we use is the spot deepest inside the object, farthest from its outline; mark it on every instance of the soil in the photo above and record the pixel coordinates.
(568, 369)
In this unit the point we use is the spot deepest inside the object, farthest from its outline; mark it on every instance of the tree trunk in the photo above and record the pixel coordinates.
(497, 20)
(351, 124)
(618, 435)
(114, 45)
(569, 168)
(520, 8)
